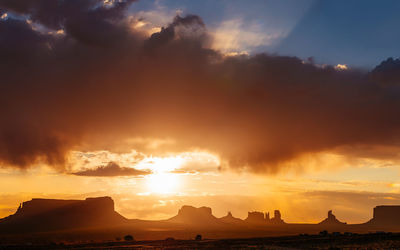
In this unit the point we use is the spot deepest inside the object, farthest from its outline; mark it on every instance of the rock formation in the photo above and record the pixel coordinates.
(331, 220)
(49, 214)
(195, 216)
(91, 214)
(230, 219)
(277, 219)
(259, 217)
(386, 216)
(255, 217)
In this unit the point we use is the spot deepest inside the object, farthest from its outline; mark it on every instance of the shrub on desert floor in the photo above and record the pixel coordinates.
(128, 237)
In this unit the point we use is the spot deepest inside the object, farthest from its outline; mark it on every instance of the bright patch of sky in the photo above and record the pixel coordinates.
(356, 33)
(237, 26)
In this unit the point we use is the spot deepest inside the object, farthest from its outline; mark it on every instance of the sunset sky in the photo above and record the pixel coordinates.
(236, 105)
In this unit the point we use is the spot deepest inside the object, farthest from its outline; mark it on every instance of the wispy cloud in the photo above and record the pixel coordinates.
(238, 36)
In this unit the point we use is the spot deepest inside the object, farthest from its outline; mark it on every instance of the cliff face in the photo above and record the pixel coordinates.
(386, 216)
(47, 214)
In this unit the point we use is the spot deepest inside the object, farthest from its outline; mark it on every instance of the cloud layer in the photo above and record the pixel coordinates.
(98, 81)
(112, 169)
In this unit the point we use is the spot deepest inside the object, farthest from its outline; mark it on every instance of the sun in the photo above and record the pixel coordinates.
(163, 183)
(162, 180)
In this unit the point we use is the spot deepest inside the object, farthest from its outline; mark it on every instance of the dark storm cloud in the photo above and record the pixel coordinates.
(388, 72)
(112, 169)
(102, 82)
(88, 21)
(190, 28)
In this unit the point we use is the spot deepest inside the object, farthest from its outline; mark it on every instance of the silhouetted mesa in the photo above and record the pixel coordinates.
(386, 216)
(259, 217)
(40, 215)
(255, 217)
(96, 216)
(331, 220)
(194, 216)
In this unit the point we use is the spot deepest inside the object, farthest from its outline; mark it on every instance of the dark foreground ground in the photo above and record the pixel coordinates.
(330, 241)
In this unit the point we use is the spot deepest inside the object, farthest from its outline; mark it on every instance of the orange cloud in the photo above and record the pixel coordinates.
(112, 169)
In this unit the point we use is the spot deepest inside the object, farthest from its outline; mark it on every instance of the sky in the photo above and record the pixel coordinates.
(356, 33)
(236, 105)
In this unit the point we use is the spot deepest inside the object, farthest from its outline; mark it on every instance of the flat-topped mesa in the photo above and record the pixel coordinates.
(331, 220)
(39, 205)
(189, 211)
(255, 217)
(387, 215)
(193, 215)
(49, 214)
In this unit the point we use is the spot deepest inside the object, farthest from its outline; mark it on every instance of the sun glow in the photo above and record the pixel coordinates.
(166, 164)
(162, 181)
